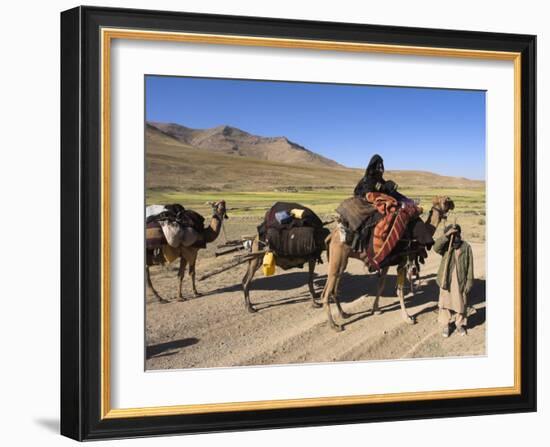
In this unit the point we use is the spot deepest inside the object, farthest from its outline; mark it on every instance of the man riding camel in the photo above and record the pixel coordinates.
(373, 181)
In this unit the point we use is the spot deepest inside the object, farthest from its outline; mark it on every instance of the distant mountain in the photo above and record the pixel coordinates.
(232, 141)
(172, 165)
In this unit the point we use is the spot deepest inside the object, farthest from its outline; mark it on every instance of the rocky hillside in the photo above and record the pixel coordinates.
(232, 141)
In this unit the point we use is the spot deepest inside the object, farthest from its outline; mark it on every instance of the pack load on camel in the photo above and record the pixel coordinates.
(293, 230)
(173, 225)
(378, 226)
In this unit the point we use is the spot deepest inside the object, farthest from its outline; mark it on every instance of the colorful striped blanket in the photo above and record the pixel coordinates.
(391, 227)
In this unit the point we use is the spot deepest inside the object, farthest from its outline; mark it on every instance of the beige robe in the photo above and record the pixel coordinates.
(452, 302)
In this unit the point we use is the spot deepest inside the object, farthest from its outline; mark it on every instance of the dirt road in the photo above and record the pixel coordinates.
(215, 329)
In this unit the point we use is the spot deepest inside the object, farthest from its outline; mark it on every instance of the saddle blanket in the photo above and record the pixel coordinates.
(390, 229)
(355, 211)
(154, 236)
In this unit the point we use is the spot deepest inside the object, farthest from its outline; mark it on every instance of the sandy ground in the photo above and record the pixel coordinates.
(215, 330)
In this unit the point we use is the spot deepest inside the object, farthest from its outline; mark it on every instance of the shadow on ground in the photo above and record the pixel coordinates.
(355, 286)
(282, 281)
(159, 350)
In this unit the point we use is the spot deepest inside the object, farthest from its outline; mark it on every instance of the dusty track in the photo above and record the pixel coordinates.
(216, 330)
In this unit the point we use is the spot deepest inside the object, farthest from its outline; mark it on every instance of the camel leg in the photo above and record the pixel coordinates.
(343, 314)
(343, 266)
(314, 295)
(150, 284)
(334, 269)
(401, 274)
(253, 266)
(327, 296)
(379, 289)
(181, 274)
(192, 272)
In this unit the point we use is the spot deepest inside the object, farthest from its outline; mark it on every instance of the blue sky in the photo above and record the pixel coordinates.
(437, 130)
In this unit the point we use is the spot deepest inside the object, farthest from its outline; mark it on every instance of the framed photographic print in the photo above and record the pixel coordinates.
(277, 223)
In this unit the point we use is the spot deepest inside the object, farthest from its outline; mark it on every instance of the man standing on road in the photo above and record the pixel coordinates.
(455, 279)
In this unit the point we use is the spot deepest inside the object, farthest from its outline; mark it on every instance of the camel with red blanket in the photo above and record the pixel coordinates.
(403, 253)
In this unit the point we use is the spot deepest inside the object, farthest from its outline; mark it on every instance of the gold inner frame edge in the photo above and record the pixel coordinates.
(107, 35)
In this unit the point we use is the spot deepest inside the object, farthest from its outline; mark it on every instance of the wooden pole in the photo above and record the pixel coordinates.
(236, 261)
(231, 250)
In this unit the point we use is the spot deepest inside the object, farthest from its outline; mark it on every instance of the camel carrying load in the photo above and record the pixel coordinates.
(382, 232)
(377, 225)
(174, 232)
(290, 236)
(172, 225)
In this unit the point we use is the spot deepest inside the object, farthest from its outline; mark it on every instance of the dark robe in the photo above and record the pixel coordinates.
(374, 182)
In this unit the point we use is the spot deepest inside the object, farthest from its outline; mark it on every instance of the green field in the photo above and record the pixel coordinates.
(469, 211)
(254, 203)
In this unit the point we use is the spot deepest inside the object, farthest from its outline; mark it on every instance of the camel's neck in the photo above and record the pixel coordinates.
(212, 232)
(433, 220)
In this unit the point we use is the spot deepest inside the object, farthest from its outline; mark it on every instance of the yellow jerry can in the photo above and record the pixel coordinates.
(268, 264)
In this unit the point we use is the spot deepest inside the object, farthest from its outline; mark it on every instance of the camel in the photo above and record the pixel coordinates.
(340, 252)
(188, 255)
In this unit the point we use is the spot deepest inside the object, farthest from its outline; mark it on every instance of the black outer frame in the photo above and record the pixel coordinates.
(81, 208)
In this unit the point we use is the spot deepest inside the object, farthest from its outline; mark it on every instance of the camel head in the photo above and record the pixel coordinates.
(219, 209)
(446, 203)
(443, 204)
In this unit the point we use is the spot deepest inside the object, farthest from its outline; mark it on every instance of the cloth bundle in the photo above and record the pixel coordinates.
(172, 225)
(176, 234)
(355, 211)
(297, 241)
(391, 227)
(301, 235)
(375, 224)
(308, 217)
(154, 236)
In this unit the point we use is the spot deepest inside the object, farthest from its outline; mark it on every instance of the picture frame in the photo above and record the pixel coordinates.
(86, 37)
